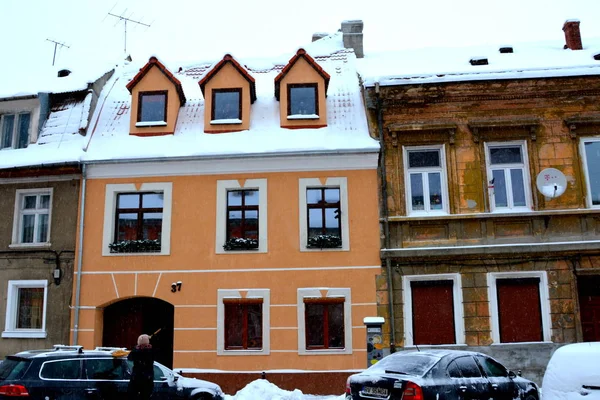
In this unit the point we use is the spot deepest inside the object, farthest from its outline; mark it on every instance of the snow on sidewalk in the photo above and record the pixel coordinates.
(262, 389)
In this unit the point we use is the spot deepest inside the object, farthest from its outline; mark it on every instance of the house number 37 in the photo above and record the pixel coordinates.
(176, 287)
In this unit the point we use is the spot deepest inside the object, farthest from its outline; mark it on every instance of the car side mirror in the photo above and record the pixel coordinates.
(512, 375)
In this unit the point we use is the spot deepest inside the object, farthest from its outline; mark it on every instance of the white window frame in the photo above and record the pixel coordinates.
(425, 171)
(544, 301)
(588, 197)
(223, 186)
(338, 182)
(509, 193)
(317, 293)
(110, 206)
(15, 132)
(459, 328)
(10, 327)
(18, 218)
(265, 295)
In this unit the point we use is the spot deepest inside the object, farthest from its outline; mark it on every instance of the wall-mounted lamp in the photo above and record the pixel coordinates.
(57, 275)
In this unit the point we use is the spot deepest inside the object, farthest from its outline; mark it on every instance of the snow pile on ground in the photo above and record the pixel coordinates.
(264, 390)
(573, 373)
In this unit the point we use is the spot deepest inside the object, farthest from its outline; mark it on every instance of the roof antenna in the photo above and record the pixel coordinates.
(56, 44)
(125, 20)
(413, 339)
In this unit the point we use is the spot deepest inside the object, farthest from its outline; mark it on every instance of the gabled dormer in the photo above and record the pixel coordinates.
(301, 89)
(228, 90)
(156, 97)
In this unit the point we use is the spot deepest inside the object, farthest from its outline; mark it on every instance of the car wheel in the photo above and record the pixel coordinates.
(531, 396)
(205, 396)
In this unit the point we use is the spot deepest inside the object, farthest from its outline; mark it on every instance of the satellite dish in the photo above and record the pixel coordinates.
(551, 183)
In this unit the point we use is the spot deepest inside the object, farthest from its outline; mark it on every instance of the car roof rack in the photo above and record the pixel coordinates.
(64, 347)
(104, 348)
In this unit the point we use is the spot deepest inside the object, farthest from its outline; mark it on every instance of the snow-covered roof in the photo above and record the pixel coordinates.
(346, 130)
(438, 65)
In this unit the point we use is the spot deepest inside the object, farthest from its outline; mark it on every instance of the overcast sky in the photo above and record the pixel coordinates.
(203, 29)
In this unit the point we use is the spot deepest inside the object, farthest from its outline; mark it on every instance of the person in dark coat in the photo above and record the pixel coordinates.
(141, 383)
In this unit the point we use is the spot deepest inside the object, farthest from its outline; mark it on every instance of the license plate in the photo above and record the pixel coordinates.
(375, 391)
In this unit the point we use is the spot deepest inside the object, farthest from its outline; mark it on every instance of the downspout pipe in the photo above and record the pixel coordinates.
(384, 217)
(79, 256)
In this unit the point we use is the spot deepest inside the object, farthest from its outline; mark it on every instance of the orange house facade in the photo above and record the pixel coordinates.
(231, 212)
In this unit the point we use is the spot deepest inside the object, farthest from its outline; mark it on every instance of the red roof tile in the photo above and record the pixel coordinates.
(243, 71)
(153, 61)
(301, 53)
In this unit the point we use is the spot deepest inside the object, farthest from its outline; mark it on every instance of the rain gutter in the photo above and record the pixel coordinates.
(384, 216)
(79, 256)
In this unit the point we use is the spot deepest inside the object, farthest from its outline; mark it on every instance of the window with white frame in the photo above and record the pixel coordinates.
(33, 211)
(243, 321)
(590, 148)
(508, 176)
(433, 309)
(137, 220)
(241, 216)
(14, 130)
(425, 180)
(26, 309)
(323, 212)
(324, 321)
(519, 306)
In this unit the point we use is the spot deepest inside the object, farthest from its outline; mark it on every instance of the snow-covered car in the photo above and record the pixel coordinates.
(573, 373)
(73, 373)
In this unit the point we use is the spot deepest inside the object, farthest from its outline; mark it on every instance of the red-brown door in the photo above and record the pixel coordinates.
(433, 312)
(589, 305)
(519, 310)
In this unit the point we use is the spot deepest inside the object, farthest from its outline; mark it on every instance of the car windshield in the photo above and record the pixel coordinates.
(13, 368)
(411, 364)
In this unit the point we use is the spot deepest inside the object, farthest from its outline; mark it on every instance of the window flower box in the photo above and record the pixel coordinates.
(135, 246)
(324, 242)
(241, 244)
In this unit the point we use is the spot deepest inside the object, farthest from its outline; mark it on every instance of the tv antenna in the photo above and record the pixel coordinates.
(56, 44)
(125, 20)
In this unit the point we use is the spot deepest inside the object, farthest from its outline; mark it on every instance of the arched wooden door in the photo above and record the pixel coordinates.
(125, 320)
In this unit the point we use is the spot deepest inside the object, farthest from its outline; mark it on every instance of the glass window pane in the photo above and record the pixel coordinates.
(129, 200)
(42, 232)
(27, 228)
(423, 158)
(152, 227)
(435, 191)
(23, 136)
(592, 157)
(303, 100)
(104, 369)
(152, 200)
(7, 131)
(44, 201)
(315, 220)
(315, 333)
(227, 105)
(336, 325)
(506, 155)
(492, 368)
(234, 197)
(251, 197)
(254, 326)
(234, 224)
(518, 187)
(234, 314)
(29, 202)
(416, 192)
(159, 374)
(332, 222)
(499, 183)
(127, 227)
(313, 196)
(152, 107)
(332, 195)
(30, 308)
(67, 369)
(468, 367)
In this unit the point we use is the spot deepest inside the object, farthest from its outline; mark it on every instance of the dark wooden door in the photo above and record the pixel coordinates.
(589, 305)
(125, 320)
(433, 312)
(519, 310)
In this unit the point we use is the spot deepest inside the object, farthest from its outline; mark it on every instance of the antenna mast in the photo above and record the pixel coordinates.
(125, 20)
(56, 44)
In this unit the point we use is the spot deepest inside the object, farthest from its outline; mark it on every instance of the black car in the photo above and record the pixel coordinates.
(69, 372)
(439, 375)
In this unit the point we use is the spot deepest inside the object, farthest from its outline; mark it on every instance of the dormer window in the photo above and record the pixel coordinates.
(14, 130)
(152, 108)
(226, 106)
(303, 101)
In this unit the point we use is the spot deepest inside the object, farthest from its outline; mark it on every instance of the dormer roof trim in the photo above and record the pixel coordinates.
(153, 62)
(228, 58)
(301, 53)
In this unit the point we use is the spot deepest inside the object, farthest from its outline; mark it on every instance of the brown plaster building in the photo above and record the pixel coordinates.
(491, 197)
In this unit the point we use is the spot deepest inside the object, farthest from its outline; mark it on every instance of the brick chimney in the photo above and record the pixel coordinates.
(353, 36)
(572, 35)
